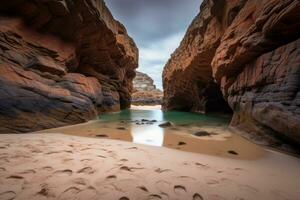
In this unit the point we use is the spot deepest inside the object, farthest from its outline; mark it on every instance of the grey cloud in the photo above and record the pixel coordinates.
(149, 20)
(157, 26)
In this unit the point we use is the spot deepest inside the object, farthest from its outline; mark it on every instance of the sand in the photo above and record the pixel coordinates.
(172, 137)
(58, 166)
(154, 107)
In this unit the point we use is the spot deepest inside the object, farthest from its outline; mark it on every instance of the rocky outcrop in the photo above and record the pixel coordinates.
(251, 51)
(61, 62)
(187, 78)
(144, 91)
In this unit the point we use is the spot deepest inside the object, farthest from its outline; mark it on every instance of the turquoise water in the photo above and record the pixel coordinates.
(144, 124)
(177, 118)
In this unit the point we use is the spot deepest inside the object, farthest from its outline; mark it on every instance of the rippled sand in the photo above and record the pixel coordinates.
(59, 166)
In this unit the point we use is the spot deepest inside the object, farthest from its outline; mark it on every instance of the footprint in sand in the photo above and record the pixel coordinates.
(86, 170)
(212, 182)
(186, 178)
(47, 168)
(100, 156)
(102, 136)
(67, 159)
(124, 198)
(232, 152)
(84, 149)
(197, 196)
(8, 195)
(83, 160)
(179, 190)
(45, 191)
(69, 193)
(143, 188)
(164, 195)
(53, 152)
(133, 148)
(80, 181)
(66, 172)
(111, 177)
(30, 171)
(201, 165)
(125, 168)
(15, 177)
(154, 197)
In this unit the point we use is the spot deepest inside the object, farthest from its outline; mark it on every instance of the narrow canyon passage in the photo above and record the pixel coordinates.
(149, 100)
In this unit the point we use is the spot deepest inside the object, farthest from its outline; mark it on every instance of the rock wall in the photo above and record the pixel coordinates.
(61, 62)
(249, 49)
(145, 91)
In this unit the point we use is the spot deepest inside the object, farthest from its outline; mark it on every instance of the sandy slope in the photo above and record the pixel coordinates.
(56, 166)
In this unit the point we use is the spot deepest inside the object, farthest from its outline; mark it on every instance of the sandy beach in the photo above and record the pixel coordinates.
(155, 107)
(58, 166)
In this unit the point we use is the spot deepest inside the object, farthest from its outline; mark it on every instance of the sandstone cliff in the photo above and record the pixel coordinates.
(145, 91)
(61, 62)
(251, 51)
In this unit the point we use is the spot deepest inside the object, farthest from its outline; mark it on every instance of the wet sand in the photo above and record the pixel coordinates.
(59, 166)
(221, 144)
(221, 140)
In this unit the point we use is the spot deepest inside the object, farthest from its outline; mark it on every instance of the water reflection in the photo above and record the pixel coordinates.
(152, 134)
(142, 127)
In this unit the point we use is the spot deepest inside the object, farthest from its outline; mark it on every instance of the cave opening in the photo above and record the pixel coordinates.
(213, 100)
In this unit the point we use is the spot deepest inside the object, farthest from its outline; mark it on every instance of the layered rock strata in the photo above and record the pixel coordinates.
(251, 51)
(145, 91)
(61, 62)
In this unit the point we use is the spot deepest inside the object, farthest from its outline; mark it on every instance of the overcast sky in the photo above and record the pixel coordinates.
(157, 27)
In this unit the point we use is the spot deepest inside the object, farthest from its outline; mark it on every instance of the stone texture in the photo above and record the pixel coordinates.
(144, 91)
(61, 62)
(251, 51)
(187, 77)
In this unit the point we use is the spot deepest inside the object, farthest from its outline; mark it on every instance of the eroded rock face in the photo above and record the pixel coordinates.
(187, 77)
(145, 91)
(61, 62)
(251, 50)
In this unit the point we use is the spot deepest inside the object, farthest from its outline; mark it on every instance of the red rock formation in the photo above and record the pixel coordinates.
(187, 77)
(61, 62)
(252, 50)
(144, 91)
